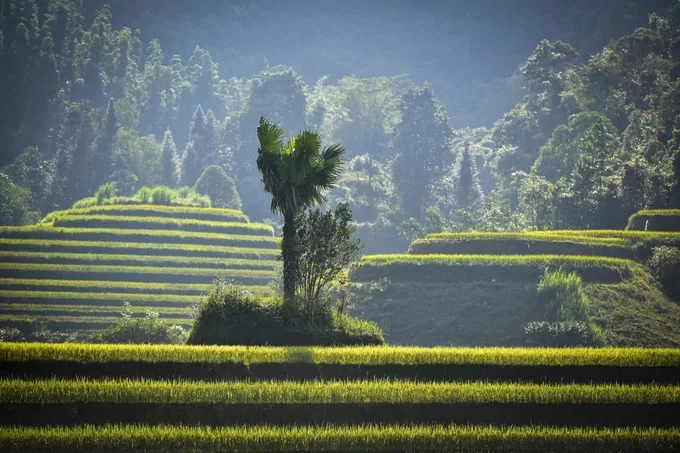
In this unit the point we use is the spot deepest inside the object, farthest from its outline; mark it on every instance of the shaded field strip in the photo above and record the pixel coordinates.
(354, 355)
(78, 325)
(102, 287)
(465, 272)
(176, 212)
(151, 236)
(94, 317)
(132, 273)
(134, 248)
(83, 325)
(517, 247)
(111, 302)
(573, 236)
(161, 223)
(580, 235)
(43, 311)
(40, 296)
(211, 414)
(384, 438)
(137, 260)
(655, 219)
(210, 371)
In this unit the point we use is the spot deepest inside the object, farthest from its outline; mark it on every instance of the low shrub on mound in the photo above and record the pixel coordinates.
(655, 220)
(229, 315)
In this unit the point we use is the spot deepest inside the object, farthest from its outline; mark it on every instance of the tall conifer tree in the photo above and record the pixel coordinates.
(170, 160)
(469, 194)
(102, 149)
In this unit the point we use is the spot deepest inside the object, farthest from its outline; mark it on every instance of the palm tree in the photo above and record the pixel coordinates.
(296, 174)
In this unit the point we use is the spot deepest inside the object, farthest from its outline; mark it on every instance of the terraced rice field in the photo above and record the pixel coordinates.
(480, 288)
(75, 269)
(655, 219)
(187, 398)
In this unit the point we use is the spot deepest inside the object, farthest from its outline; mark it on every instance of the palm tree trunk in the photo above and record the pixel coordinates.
(290, 262)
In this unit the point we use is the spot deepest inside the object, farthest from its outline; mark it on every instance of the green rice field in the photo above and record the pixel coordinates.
(91, 260)
(78, 397)
(339, 438)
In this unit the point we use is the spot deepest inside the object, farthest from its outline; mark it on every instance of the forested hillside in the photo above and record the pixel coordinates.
(152, 93)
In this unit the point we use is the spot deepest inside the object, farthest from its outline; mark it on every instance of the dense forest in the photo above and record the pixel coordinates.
(503, 130)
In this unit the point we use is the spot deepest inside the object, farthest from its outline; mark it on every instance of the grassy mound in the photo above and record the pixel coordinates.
(655, 220)
(151, 256)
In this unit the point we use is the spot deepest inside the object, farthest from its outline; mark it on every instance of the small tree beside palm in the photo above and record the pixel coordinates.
(296, 173)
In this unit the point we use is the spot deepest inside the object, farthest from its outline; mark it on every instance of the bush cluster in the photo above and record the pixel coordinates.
(565, 310)
(159, 195)
(557, 334)
(36, 332)
(149, 329)
(664, 265)
(563, 297)
(230, 315)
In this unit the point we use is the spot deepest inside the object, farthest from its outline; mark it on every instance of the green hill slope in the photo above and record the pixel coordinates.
(74, 270)
(480, 288)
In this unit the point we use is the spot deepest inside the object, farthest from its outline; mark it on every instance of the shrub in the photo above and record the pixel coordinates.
(664, 265)
(140, 331)
(215, 183)
(563, 296)
(85, 203)
(144, 195)
(36, 332)
(230, 315)
(11, 334)
(566, 310)
(131, 330)
(104, 192)
(162, 195)
(557, 334)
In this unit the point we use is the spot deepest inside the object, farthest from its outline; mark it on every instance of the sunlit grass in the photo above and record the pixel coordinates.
(105, 269)
(339, 438)
(543, 236)
(367, 355)
(36, 232)
(502, 260)
(148, 260)
(117, 286)
(330, 392)
(113, 247)
(217, 214)
(160, 223)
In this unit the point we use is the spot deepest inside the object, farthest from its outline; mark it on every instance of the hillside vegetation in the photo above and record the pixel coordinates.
(75, 269)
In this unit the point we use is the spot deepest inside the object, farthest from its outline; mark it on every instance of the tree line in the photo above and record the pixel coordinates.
(87, 102)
